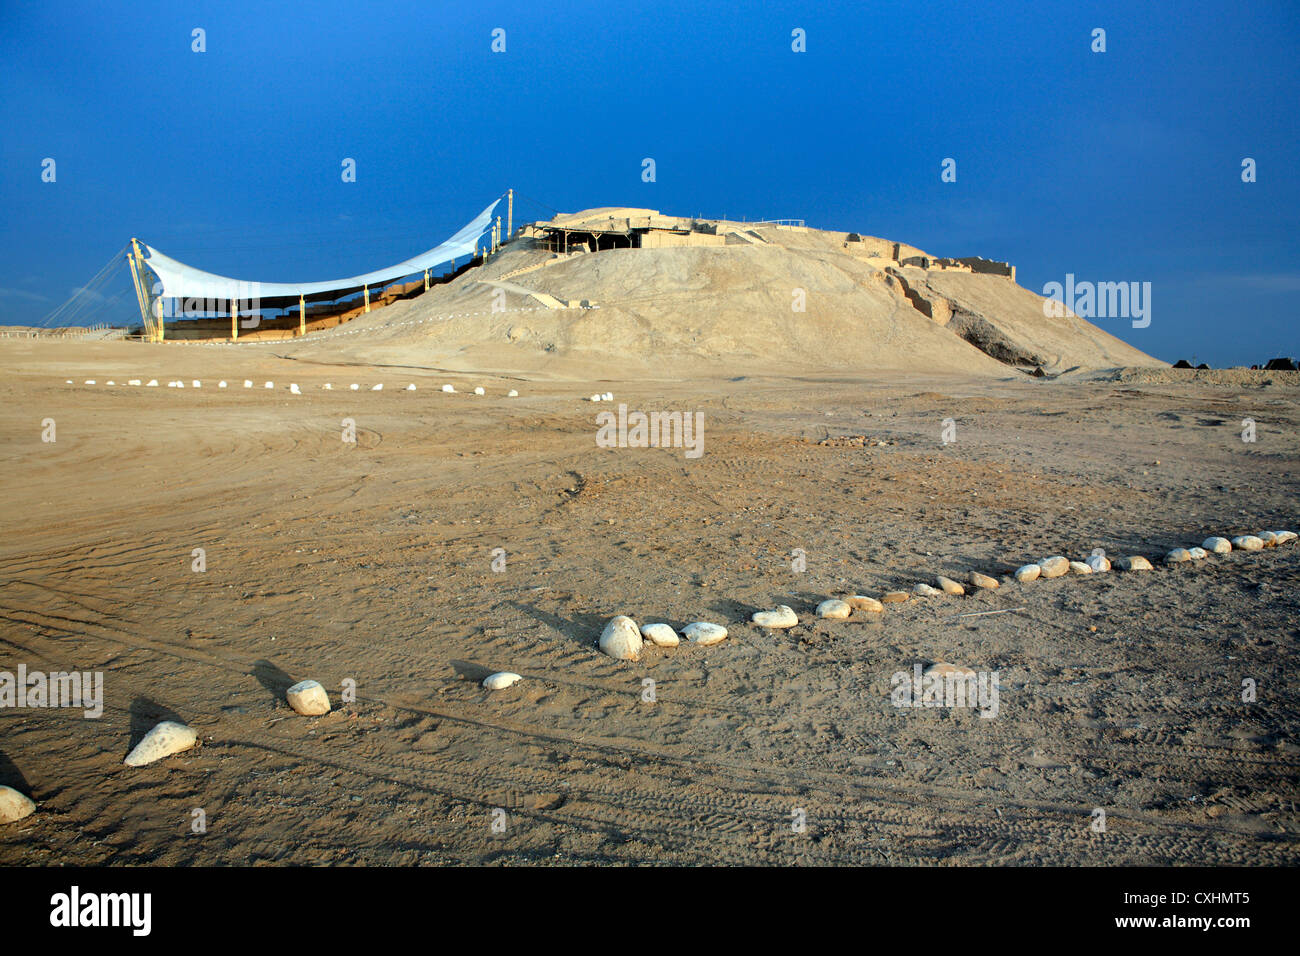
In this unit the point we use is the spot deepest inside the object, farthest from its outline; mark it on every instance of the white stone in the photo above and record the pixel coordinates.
(449, 388)
(152, 383)
(134, 381)
(1135, 563)
(247, 384)
(1178, 556)
(14, 805)
(942, 669)
(608, 396)
(782, 617)
(860, 602)
(704, 633)
(621, 639)
(949, 586)
(478, 390)
(269, 385)
(1217, 545)
(1079, 567)
(1029, 572)
(925, 590)
(354, 386)
(983, 581)
(1054, 567)
(293, 390)
(196, 383)
(110, 382)
(221, 385)
(328, 387)
(166, 739)
(410, 388)
(501, 680)
(512, 394)
(834, 609)
(308, 698)
(1285, 537)
(660, 635)
(1247, 542)
(378, 388)
(90, 381)
(1099, 563)
(1197, 553)
(1268, 537)
(595, 398)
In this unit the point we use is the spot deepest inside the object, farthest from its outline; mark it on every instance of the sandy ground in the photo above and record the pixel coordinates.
(373, 562)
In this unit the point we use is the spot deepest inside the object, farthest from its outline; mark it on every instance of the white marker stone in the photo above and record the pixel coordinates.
(1217, 545)
(782, 617)
(152, 383)
(1135, 563)
(660, 635)
(950, 586)
(512, 394)
(1268, 537)
(1285, 537)
(90, 381)
(704, 633)
(478, 390)
(860, 602)
(621, 639)
(1029, 572)
(14, 805)
(247, 384)
(449, 388)
(410, 388)
(164, 740)
(925, 590)
(221, 385)
(378, 388)
(196, 383)
(269, 385)
(834, 609)
(1054, 567)
(354, 386)
(293, 389)
(1099, 563)
(608, 396)
(1178, 556)
(308, 698)
(1247, 542)
(328, 387)
(501, 680)
(1197, 553)
(1079, 567)
(134, 381)
(983, 581)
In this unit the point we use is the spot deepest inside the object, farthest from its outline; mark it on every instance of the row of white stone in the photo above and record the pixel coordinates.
(293, 387)
(306, 697)
(623, 639)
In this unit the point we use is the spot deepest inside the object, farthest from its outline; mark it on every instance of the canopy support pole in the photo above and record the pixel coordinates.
(302, 314)
(426, 280)
(510, 214)
(137, 279)
(234, 320)
(367, 298)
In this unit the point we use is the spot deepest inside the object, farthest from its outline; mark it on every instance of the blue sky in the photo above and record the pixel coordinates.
(1115, 166)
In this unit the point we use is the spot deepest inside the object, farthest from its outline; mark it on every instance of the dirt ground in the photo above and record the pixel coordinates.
(373, 562)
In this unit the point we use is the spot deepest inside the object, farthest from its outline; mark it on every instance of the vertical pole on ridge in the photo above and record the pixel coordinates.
(302, 314)
(510, 213)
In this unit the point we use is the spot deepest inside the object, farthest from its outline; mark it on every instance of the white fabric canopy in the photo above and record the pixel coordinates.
(181, 281)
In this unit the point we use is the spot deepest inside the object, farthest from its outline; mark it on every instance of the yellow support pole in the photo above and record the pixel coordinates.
(367, 298)
(162, 325)
(302, 315)
(510, 214)
(234, 320)
(142, 297)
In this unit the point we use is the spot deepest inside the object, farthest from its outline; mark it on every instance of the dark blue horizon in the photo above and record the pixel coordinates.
(1117, 166)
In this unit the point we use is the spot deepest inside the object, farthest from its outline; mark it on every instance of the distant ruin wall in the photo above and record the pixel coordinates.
(990, 267)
